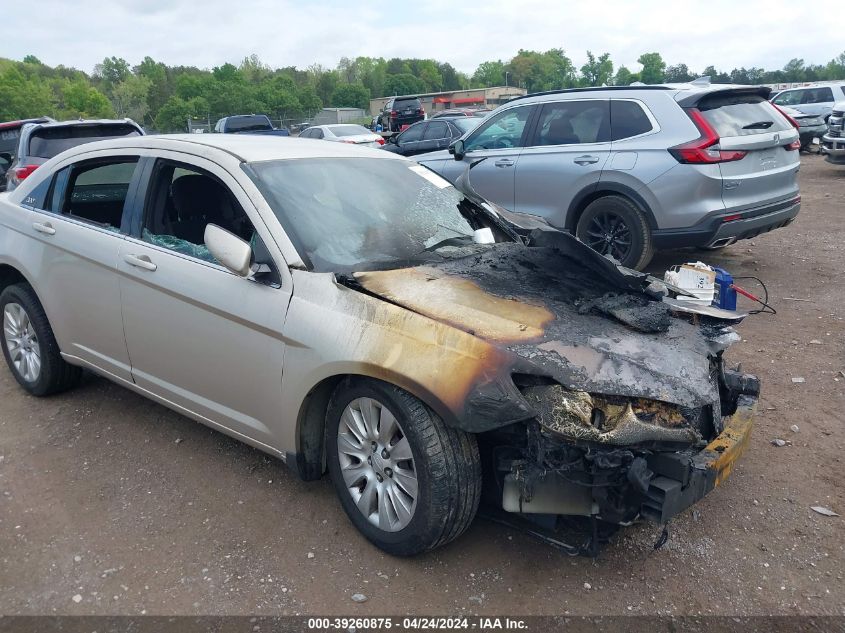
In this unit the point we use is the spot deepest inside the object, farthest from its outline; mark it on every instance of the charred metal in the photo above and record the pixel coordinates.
(591, 396)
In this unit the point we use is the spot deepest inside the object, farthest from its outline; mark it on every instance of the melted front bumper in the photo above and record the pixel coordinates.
(682, 479)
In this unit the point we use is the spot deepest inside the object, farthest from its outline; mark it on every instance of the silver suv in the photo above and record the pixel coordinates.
(631, 170)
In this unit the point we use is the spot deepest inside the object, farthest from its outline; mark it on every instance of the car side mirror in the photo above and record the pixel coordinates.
(228, 249)
(456, 149)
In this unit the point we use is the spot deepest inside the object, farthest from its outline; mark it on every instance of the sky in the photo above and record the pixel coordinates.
(726, 34)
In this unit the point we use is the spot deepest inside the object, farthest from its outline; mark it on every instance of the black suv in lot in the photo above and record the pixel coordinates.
(401, 111)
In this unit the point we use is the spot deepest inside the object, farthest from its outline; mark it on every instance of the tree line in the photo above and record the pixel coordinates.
(163, 97)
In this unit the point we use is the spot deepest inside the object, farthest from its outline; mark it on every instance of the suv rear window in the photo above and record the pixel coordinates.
(741, 115)
(400, 104)
(49, 141)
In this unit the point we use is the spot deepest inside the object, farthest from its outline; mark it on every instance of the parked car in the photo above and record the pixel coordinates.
(249, 124)
(460, 112)
(431, 135)
(401, 111)
(631, 170)
(344, 133)
(810, 126)
(833, 142)
(816, 100)
(350, 310)
(10, 134)
(40, 142)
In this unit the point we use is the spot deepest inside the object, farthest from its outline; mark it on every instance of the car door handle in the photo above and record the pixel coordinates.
(140, 261)
(586, 160)
(504, 162)
(46, 228)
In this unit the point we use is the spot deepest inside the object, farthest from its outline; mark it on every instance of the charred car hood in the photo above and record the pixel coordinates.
(559, 312)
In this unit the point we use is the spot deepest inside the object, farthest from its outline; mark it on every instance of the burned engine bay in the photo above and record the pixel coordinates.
(599, 399)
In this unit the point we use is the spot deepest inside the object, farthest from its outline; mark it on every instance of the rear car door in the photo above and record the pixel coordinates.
(199, 336)
(494, 149)
(765, 169)
(567, 152)
(436, 136)
(410, 140)
(78, 228)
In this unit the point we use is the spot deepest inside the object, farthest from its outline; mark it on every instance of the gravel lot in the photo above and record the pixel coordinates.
(110, 504)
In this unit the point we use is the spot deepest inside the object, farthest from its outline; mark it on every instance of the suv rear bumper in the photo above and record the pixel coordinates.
(726, 228)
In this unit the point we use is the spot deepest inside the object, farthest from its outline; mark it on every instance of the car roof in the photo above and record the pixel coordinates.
(684, 93)
(245, 147)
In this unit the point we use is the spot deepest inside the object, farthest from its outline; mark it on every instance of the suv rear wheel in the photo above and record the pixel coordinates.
(407, 481)
(614, 226)
(29, 345)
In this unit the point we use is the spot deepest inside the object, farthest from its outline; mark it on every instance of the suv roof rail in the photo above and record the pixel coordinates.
(591, 89)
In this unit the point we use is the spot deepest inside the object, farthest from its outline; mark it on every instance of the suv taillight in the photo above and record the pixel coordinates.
(792, 121)
(700, 151)
(22, 172)
(393, 114)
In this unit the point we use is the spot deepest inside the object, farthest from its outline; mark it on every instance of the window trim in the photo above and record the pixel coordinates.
(143, 193)
(128, 203)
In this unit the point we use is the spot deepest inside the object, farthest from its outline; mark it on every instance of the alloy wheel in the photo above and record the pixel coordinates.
(22, 342)
(377, 464)
(609, 234)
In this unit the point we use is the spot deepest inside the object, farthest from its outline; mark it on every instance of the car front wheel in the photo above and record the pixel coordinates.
(614, 226)
(29, 345)
(407, 481)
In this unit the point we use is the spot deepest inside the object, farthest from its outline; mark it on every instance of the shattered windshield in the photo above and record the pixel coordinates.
(354, 213)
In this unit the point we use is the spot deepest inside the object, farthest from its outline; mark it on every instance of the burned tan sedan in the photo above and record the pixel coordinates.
(346, 309)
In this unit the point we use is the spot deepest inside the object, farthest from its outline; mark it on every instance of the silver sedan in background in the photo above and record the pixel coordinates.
(344, 133)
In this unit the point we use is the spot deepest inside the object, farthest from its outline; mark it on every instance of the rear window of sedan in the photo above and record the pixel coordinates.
(348, 130)
(47, 142)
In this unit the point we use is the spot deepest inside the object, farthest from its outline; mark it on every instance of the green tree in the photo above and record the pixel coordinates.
(489, 74)
(716, 76)
(129, 98)
(81, 100)
(794, 70)
(22, 97)
(597, 71)
(254, 70)
(351, 96)
(174, 114)
(309, 102)
(625, 77)
(679, 73)
(654, 68)
(160, 86)
(111, 71)
(429, 74)
(326, 84)
(402, 84)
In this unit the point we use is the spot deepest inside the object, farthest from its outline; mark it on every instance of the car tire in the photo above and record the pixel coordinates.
(25, 322)
(444, 462)
(613, 225)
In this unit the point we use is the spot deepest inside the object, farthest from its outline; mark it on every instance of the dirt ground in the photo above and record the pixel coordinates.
(110, 504)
